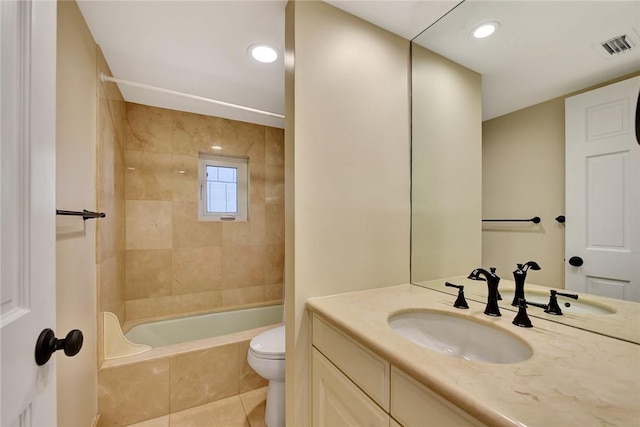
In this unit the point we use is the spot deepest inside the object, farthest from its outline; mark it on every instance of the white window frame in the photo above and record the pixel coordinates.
(242, 194)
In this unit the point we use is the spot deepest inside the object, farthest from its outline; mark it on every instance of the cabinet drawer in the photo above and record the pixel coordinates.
(337, 402)
(414, 405)
(369, 371)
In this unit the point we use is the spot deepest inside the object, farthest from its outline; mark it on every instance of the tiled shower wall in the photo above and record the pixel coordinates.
(110, 242)
(175, 264)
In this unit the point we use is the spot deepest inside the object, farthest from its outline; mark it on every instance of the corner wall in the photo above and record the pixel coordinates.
(347, 208)
(523, 177)
(446, 171)
(75, 238)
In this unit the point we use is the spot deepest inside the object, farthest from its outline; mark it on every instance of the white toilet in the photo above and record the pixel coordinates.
(266, 357)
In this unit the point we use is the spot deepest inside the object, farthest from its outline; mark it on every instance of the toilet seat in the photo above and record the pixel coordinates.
(269, 344)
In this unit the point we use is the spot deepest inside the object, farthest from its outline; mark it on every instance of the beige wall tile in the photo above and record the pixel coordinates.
(274, 184)
(110, 290)
(248, 379)
(274, 264)
(197, 302)
(107, 228)
(148, 273)
(149, 307)
(196, 270)
(174, 305)
(148, 175)
(274, 292)
(184, 185)
(149, 128)
(243, 139)
(188, 232)
(106, 150)
(274, 215)
(246, 233)
(243, 296)
(274, 146)
(133, 393)
(199, 267)
(203, 376)
(227, 412)
(193, 133)
(148, 224)
(243, 266)
(256, 182)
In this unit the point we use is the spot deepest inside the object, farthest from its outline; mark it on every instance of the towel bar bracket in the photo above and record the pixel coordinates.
(85, 214)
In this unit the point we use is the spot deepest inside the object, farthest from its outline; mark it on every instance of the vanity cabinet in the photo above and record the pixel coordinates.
(354, 386)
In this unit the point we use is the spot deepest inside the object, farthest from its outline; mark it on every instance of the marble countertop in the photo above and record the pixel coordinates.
(624, 323)
(574, 378)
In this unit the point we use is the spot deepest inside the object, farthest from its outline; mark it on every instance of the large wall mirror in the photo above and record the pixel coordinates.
(540, 54)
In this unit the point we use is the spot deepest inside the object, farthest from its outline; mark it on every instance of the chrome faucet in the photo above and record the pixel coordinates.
(492, 279)
(519, 276)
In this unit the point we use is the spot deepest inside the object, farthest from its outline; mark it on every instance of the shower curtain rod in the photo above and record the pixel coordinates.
(105, 78)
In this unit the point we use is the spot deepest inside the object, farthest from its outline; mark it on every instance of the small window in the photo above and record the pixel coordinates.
(224, 188)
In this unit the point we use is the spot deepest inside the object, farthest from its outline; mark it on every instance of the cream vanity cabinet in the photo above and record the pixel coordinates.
(352, 386)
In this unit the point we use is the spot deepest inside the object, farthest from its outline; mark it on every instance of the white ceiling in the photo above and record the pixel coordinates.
(200, 48)
(543, 49)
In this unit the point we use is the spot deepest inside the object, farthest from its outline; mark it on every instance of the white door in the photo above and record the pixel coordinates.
(27, 216)
(603, 192)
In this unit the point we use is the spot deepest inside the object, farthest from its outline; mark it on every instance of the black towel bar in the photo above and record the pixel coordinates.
(535, 220)
(85, 214)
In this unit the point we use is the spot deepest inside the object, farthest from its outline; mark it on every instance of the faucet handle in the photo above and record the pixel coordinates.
(460, 301)
(574, 296)
(522, 319)
(554, 308)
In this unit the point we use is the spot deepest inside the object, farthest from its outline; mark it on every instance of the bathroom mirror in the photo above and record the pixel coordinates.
(564, 55)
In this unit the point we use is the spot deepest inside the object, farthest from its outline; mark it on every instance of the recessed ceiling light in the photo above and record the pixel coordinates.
(485, 30)
(263, 53)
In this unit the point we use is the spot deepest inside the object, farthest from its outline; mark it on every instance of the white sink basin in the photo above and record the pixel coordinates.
(460, 337)
(575, 306)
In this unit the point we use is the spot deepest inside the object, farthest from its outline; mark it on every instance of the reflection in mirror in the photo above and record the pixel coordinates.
(527, 73)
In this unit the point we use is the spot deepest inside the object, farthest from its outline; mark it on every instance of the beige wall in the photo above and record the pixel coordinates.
(175, 264)
(75, 190)
(523, 164)
(446, 167)
(523, 177)
(347, 160)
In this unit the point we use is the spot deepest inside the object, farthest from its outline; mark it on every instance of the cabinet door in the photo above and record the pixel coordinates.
(414, 405)
(338, 402)
(367, 370)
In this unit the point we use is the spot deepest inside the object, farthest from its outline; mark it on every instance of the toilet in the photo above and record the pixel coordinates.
(266, 357)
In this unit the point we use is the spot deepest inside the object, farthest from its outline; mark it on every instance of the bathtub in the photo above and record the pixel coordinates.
(177, 331)
(206, 353)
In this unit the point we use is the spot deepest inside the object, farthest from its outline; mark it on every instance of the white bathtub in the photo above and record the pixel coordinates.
(174, 331)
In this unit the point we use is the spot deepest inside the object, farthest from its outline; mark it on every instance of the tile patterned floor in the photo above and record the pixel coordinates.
(244, 410)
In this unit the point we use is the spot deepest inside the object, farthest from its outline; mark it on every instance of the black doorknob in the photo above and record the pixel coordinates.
(576, 261)
(47, 344)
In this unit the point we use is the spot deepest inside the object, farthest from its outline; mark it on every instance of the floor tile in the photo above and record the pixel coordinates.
(156, 422)
(254, 403)
(227, 412)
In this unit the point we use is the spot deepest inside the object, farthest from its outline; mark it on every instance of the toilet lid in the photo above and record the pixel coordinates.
(269, 344)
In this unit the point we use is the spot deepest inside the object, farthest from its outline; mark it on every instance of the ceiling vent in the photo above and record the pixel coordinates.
(618, 45)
